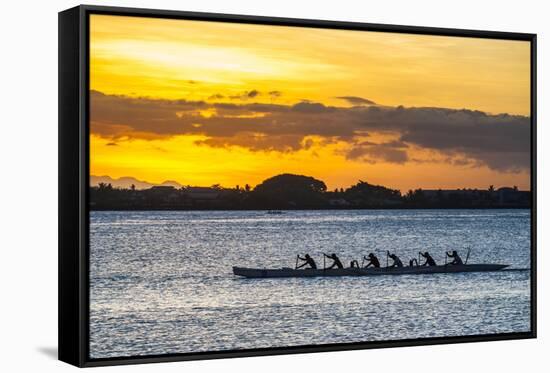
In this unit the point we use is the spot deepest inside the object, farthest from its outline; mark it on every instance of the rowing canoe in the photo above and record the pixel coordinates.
(418, 270)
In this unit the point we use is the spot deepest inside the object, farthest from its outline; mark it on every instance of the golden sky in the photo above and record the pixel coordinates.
(207, 102)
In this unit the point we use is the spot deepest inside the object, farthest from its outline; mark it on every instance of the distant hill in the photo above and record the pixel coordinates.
(126, 182)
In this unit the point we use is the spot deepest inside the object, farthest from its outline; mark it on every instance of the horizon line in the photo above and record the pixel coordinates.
(287, 173)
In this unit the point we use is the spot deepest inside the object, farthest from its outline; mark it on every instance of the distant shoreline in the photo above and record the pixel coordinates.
(299, 192)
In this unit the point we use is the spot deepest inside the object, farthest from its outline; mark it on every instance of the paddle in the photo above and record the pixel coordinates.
(468, 255)
(296, 265)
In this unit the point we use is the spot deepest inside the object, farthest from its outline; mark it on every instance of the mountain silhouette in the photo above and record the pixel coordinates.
(126, 182)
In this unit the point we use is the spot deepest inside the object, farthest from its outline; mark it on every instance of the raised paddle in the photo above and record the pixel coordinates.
(296, 266)
(468, 255)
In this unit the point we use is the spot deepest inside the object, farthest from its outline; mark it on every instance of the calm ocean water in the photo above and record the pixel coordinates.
(161, 282)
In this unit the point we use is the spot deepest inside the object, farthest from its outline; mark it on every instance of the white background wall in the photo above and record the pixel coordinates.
(28, 180)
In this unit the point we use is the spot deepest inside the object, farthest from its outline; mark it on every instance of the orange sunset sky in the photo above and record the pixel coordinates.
(205, 103)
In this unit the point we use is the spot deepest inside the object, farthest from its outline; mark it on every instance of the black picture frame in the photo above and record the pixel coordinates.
(74, 180)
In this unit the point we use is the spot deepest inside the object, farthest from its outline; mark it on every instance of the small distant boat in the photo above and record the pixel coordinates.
(274, 212)
(415, 270)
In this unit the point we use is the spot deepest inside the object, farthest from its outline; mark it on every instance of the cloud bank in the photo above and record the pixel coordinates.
(500, 142)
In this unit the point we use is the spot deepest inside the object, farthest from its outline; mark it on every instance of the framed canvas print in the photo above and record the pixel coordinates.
(237, 186)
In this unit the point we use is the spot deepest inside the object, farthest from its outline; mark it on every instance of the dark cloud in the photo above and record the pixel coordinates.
(217, 96)
(275, 94)
(310, 107)
(354, 100)
(111, 144)
(256, 142)
(253, 93)
(501, 142)
(246, 95)
(391, 152)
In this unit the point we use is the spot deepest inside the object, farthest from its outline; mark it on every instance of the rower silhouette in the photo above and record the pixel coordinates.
(429, 260)
(372, 261)
(308, 260)
(336, 262)
(396, 261)
(456, 259)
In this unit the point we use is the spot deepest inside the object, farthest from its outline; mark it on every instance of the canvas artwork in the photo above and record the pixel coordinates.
(257, 186)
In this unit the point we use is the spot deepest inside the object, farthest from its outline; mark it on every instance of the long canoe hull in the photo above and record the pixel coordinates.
(289, 272)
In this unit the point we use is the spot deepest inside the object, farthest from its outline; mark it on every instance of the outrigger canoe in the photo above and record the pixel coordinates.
(416, 270)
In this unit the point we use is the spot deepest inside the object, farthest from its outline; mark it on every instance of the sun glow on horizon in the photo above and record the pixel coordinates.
(236, 92)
